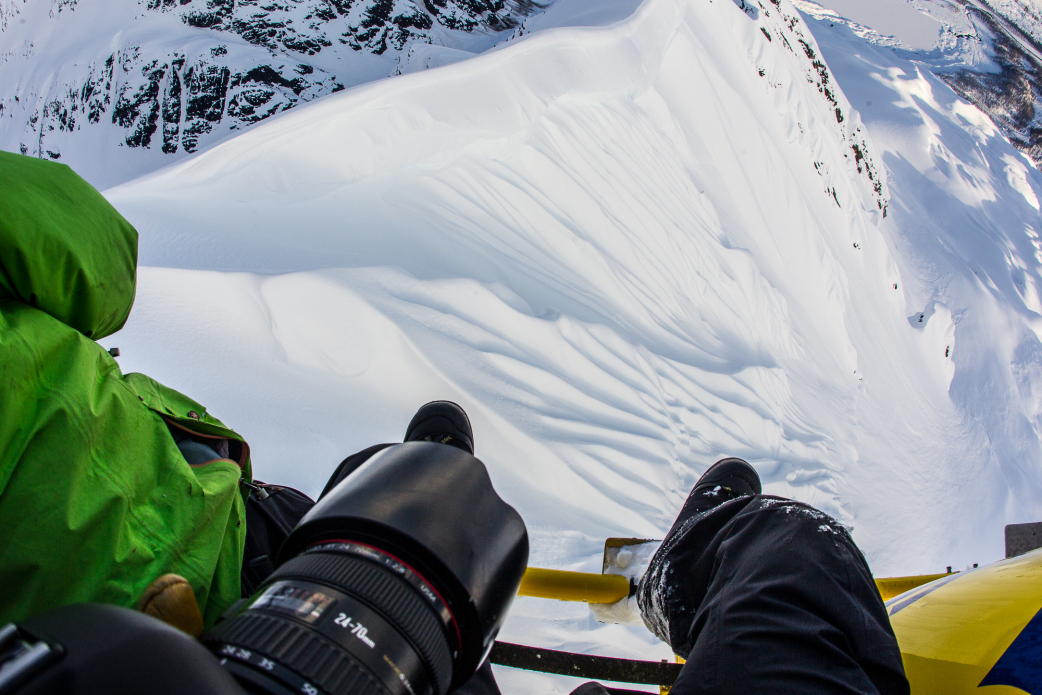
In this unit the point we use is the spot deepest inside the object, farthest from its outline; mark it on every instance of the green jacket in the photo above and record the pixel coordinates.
(96, 500)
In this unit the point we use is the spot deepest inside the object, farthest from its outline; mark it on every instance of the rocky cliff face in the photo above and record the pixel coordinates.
(120, 87)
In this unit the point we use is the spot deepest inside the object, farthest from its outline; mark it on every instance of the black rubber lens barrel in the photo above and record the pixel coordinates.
(433, 507)
(394, 599)
(335, 621)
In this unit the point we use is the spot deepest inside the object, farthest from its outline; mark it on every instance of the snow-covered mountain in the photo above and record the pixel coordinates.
(684, 230)
(117, 88)
(632, 239)
(122, 87)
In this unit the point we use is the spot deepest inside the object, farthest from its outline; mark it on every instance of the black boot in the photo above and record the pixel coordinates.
(438, 421)
(443, 422)
(727, 479)
(666, 603)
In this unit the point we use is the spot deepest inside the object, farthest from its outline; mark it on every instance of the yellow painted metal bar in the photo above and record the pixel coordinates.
(895, 586)
(563, 585)
(573, 586)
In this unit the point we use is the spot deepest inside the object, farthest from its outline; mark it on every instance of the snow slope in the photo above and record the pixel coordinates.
(627, 250)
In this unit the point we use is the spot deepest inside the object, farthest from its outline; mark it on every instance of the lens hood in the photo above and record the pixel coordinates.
(433, 508)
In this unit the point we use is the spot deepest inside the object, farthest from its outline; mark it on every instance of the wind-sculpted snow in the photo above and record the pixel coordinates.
(708, 229)
(117, 88)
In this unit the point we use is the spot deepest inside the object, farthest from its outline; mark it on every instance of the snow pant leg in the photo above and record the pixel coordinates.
(349, 465)
(269, 520)
(481, 683)
(790, 607)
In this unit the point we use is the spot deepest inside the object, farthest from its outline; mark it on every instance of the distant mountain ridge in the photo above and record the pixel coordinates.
(166, 77)
(152, 81)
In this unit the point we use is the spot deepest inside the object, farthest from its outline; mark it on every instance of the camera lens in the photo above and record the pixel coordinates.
(395, 583)
(343, 617)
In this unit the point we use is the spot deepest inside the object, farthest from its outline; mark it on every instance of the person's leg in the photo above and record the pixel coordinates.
(349, 465)
(768, 595)
(443, 422)
(270, 519)
(481, 683)
(790, 607)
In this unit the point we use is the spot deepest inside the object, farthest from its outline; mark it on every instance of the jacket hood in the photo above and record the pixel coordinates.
(63, 248)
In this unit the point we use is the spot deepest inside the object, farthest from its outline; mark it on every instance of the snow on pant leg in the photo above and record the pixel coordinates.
(776, 599)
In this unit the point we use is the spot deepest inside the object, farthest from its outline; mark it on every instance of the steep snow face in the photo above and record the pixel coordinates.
(693, 225)
(964, 226)
(627, 250)
(117, 88)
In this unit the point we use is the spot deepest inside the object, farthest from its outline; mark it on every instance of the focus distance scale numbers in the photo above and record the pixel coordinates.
(262, 663)
(355, 627)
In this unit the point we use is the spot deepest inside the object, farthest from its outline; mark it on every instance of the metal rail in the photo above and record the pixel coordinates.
(563, 585)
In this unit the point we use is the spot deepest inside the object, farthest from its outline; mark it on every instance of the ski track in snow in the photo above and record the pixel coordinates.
(627, 251)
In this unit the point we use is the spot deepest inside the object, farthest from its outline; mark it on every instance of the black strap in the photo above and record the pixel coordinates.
(269, 519)
(584, 665)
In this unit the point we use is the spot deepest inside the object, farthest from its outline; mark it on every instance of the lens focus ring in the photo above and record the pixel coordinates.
(399, 603)
(312, 656)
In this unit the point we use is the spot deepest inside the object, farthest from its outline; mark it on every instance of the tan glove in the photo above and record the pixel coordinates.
(171, 599)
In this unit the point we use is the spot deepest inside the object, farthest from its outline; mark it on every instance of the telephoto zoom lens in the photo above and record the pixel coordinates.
(395, 583)
(342, 618)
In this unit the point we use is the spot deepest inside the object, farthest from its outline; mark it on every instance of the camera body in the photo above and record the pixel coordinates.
(395, 583)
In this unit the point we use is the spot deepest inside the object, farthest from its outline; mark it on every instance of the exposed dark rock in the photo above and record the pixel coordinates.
(139, 111)
(822, 78)
(172, 107)
(217, 15)
(206, 87)
(172, 99)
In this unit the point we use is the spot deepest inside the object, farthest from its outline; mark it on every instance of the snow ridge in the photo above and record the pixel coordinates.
(790, 31)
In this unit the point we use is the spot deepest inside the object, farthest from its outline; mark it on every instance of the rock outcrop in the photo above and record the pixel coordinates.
(171, 76)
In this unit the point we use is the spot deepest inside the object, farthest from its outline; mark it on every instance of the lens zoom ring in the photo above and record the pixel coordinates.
(313, 657)
(376, 586)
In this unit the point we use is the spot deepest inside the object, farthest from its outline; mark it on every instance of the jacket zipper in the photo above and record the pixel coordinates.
(261, 493)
